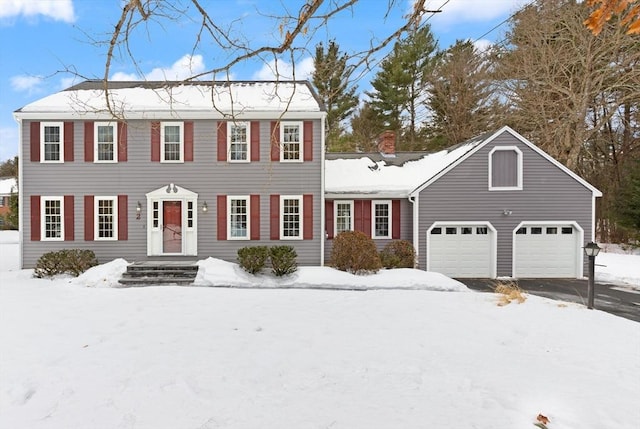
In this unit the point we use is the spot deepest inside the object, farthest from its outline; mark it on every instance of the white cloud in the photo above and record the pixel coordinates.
(459, 11)
(59, 10)
(29, 84)
(482, 45)
(283, 70)
(185, 67)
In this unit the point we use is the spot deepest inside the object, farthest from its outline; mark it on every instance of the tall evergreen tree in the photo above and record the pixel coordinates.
(398, 86)
(331, 79)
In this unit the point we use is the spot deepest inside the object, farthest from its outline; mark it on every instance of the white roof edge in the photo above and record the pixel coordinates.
(177, 114)
(594, 191)
(361, 195)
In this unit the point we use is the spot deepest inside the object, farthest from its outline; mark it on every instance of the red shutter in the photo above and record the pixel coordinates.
(123, 217)
(222, 217)
(328, 217)
(255, 141)
(122, 142)
(35, 215)
(88, 218)
(357, 216)
(35, 141)
(188, 141)
(274, 217)
(366, 217)
(308, 140)
(222, 141)
(155, 141)
(255, 217)
(68, 142)
(275, 143)
(88, 141)
(69, 210)
(395, 219)
(307, 213)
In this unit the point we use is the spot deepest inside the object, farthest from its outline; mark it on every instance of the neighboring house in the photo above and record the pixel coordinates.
(494, 206)
(188, 171)
(8, 186)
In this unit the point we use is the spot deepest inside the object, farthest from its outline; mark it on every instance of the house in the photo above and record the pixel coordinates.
(494, 206)
(7, 187)
(188, 170)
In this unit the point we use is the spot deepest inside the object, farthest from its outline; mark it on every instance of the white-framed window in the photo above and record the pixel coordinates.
(381, 219)
(291, 138)
(505, 168)
(172, 142)
(51, 142)
(238, 141)
(106, 218)
(238, 218)
(52, 218)
(290, 217)
(106, 137)
(343, 216)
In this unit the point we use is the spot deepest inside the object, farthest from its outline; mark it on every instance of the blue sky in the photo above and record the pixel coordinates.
(44, 44)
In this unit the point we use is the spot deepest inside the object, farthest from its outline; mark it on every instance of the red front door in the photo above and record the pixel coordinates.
(172, 227)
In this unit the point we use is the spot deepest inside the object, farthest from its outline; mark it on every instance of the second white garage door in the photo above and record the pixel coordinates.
(546, 250)
(461, 250)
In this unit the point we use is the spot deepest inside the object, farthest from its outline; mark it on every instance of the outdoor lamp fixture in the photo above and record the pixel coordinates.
(591, 250)
(205, 207)
(138, 210)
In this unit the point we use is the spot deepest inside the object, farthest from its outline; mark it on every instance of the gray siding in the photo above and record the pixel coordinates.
(462, 194)
(406, 230)
(138, 176)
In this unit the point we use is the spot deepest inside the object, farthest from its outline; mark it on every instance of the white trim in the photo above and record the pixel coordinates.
(300, 125)
(60, 125)
(579, 242)
(162, 142)
(43, 226)
(373, 219)
(386, 195)
(96, 143)
(323, 233)
(96, 200)
(494, 241)
(20, 196)
(335, 215)
(247, 125)
(519, 173)
(596, 192)
(246, 198)
(300, 213)
(415, 206)
(177, 114)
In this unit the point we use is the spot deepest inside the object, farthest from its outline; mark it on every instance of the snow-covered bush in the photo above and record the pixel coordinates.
(68, 261)
(283, 260)
(252, 259)
(355, 253)
(398, 254)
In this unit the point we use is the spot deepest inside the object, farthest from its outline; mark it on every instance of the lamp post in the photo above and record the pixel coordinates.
(591, 250)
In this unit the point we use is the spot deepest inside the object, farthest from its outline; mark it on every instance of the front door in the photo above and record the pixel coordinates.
(172, 227)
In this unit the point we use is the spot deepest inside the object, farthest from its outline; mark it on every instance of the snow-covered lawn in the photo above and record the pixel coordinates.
(73, 356)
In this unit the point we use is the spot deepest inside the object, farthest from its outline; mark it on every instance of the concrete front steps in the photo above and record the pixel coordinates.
(159, 273)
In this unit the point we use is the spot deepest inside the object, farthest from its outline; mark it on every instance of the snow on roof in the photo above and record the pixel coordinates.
(216, 97)
(363, 175)
(8, 186)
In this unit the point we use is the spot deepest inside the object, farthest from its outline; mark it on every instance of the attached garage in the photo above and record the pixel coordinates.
(551, 250)
(462, 250)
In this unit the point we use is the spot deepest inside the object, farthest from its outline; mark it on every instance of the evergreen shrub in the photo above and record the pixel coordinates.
(398, 254)
(283, 260)
(253, 259)
(68, 261)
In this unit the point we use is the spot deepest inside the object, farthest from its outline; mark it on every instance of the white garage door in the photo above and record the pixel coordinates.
(546, 251)
(461, 250)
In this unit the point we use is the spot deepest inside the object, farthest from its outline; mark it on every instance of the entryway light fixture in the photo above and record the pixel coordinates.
(138, 210)
(205, 207)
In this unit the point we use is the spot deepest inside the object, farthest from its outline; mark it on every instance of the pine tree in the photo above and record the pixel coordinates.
(331, 79)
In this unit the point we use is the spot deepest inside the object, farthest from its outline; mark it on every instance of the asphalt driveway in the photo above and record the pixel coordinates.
(618, 300)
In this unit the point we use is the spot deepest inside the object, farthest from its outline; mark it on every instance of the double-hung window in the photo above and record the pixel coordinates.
(238, 218)
(343, 216)
(381, 215)
(172, 142)
(106, 218)
(291, 138)
(238, 141)
(106, 136)
(52, 218)
(52, 141)
(505, 168)
(290, 217)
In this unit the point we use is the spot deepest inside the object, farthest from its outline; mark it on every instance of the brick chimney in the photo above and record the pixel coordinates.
(387, 143)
